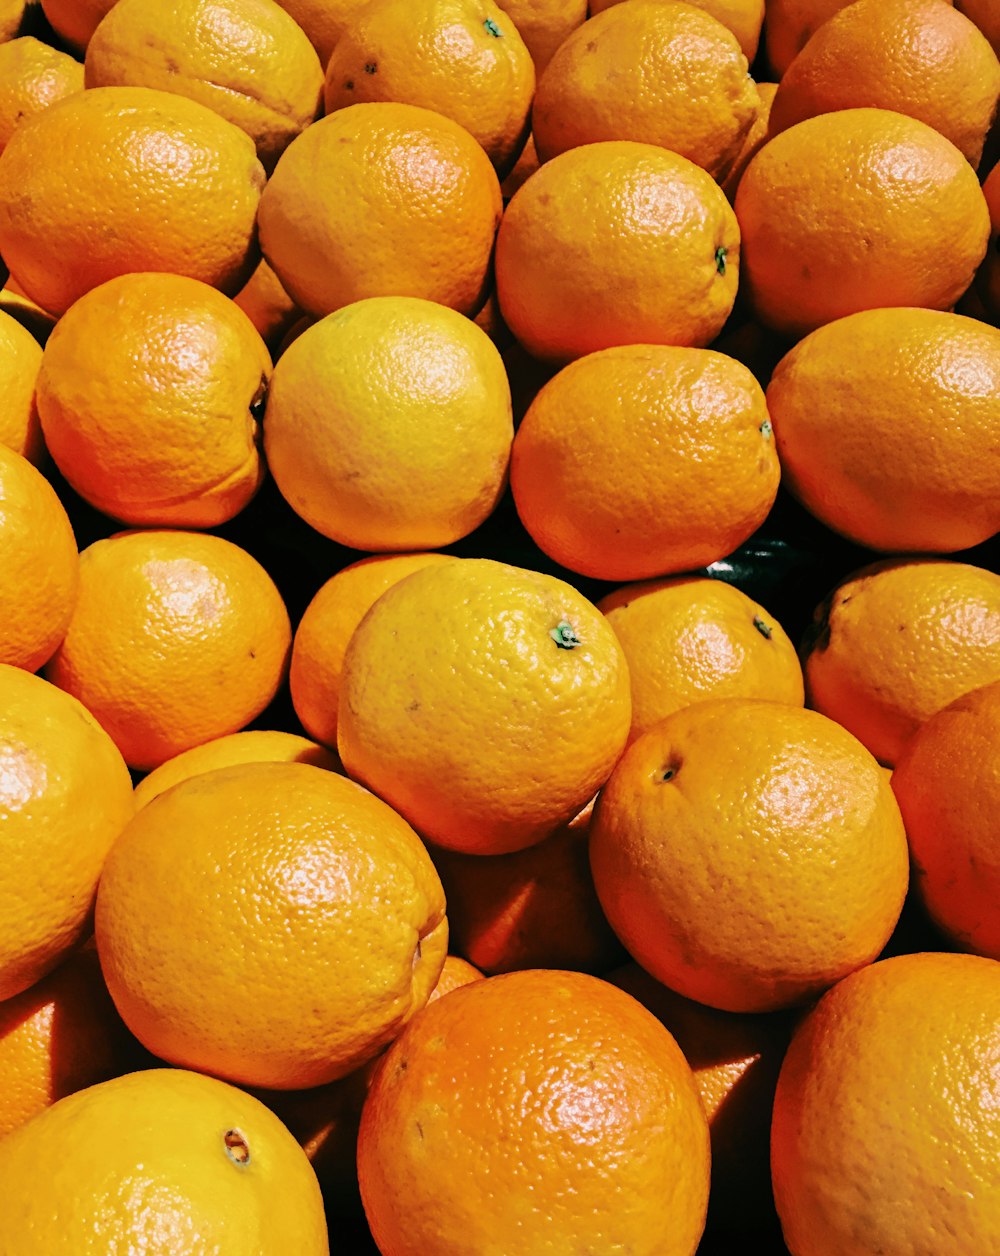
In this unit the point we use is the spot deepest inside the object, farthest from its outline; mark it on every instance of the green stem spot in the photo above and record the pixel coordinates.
(491, 28)
(720, 259)
(762, 628)
(766, 429)
(564, 635)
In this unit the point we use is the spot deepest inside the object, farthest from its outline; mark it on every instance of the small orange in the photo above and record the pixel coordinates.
(590, 1088)
(320, 925)
(176, 638)
(36, 321)
(455, 974)
(986, 16)
(743, 17)
(988, 279)
(855, 210)
(791, 24)
(749, 854)
(32, 77)
(267, 305)
(689, 639)
(324, 21)
(381, 200)
(544, 24)
(20, 359)
(755, 139)
(74, 21)
(884, 1116)
(688, 88)
(644, 460)
(616, 243)
(15, 17)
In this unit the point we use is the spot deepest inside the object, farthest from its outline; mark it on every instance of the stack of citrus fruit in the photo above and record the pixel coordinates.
(499, 627)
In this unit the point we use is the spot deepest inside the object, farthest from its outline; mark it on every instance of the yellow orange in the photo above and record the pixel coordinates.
(20, 359)
(33, 76)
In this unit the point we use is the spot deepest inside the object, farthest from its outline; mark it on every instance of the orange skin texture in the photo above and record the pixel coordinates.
(612, 1143)
(20, 359)
(311, 896)
(486, 703)
(381, 200)
(443, 56)
(687, 86)
(897, 641)
(32, 77)
(757, 136)
(918, 57)
(176, 638)
(645, 460)
(267, 305)
(39, 567)
(988, 278)
(749, 854)
(855, 210)
(535, 908)
(931, 484)
(326, 627)
(688, 639)
(148, 396)
(884, 1135)
(544, 24)
(456, 973)
(986, 16)
(74, 21)
(616, 243)
(149, 1169)
(743, 17)
(65, 795)
(947, 784)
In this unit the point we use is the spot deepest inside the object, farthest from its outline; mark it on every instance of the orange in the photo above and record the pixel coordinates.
(150, 394)
(986, 16)
(856, 210)
(160, 1160)
(930, 483)
(57, 1037)
(39, 568)
(534, 908)
(689, 639)
(455, 974)
(743, 17)
(918, 57)
(15, 16)
(611, 1141)
(320, 925)
(381, 200)
(616, 243)
(462, 58)
(749, 854)
(74, 21)
(897, 641)
(791, 24)
(37, 323)
(176, 638)
(20, 358)
(245, 59)
(326, 627)
(688, 88)
(258, 746)
(884, 1122)
(32, 77)
(484, 702)
(324, 21)
(988, 279)
(755, 138)
(65, 795)
(180, 184)
(267, 305)
(544, 24)
(389, 425)
(645, 460)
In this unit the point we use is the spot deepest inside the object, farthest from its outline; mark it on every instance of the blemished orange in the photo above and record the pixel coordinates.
(791, 24)
(534, 908)
(247, 60)
(39, 567)
(455, 974)
(267, 305)
(666, 74)
(988, 278)
(612, 1142)
(930, 484)
(918, 57)
(20, 358)
(645, 460)
(461, 58)
(986, 16)
(743, 17)
(160, 1159)
(898, 640)
(65, 795)
(74, 21)
(690, 638)
(755, 139)
(389, 425)
(381, 199)
(749, 854)
(544, 24)
(884, 1115)
(321, 925)
(256, 746)
(856, 210)
(33, 76)
(486, 703)
(176, 638)
(326, 627)
(57, 1037)
(150, 394)
(180, 184)
(616, 243)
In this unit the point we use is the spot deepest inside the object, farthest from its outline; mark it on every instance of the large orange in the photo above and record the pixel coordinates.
(320, 925)
(611, 1140)
(20, 359)
(33, 76)
(931, 483)
(544, 24)
(743, 17)
(749, 854)
(885, 1136)
(855, 210)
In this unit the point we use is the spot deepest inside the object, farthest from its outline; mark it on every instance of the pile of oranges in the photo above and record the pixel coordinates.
(499, 627)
